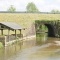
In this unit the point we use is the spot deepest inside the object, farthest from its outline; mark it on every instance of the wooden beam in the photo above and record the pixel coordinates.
(20, 31)
(8, 34)
(15, 34)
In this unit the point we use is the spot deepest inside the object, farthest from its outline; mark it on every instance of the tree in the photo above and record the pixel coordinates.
(12, 9)
(55, 11)
(31, 7)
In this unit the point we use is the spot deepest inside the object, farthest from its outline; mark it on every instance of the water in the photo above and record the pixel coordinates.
(39, 48)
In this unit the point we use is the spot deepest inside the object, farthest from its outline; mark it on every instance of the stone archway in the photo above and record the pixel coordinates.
(51, 31)
(53, 27)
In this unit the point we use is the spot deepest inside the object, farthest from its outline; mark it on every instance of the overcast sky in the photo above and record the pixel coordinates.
(20, 5)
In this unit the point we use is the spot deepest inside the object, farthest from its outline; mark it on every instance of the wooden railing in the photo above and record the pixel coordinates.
(13, 37)
(7, 38)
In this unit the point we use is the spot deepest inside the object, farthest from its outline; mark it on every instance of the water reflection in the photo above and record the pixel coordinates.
(13, 49)
(39, 48)
(10, 50)
(41, 38)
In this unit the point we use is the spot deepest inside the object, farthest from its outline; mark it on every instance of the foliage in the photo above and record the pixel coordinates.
(55, 11)
(44, 28)
(12, 9)
(31, 7)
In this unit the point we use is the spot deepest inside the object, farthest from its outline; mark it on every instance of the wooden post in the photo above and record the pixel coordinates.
(1, 31)
(8, 34)
(5, 41)
(20, 32)
(15, 34)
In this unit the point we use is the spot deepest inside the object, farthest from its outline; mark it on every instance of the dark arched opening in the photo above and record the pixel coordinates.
(51, 32)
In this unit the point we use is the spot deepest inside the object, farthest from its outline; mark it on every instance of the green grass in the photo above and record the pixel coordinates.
(27, 19)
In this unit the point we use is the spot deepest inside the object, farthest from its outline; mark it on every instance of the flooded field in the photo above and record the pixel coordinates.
(38, 48)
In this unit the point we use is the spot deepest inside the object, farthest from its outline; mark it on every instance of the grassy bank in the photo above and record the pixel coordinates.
(27, 19)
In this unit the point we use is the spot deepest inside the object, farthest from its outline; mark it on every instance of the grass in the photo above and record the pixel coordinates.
(24, 19)
(27, 19)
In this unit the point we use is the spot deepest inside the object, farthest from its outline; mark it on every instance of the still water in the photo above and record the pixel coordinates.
(38, 48)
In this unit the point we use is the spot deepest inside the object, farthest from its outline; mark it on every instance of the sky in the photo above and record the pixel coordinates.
(20, 5)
